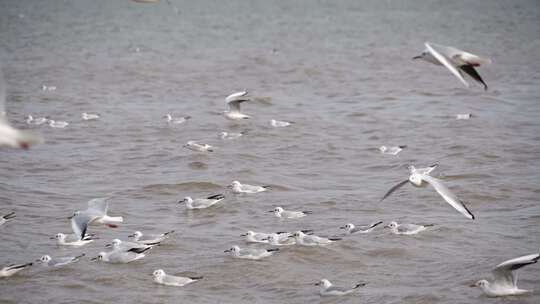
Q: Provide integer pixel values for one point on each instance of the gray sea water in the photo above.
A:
(341, 70)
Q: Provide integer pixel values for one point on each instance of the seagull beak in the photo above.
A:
(229, 186)
(182, 201)
(317, 284)
(94, 259)
(228, 250)
(387, 226)
(243, 234)
(131, 235)
(108, 245)
(472, 285)
(70, 217)
(271, 211)
(417, 57)
(51, 238)
(265, 239)
(342, 227)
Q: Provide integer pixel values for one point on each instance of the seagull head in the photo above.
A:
(324, 282)
(74, 214)
(59, 237)
(249, 233)
(187, 200)
(136, 235)
(422, 55)
(158, 273)
(347, 227)
(100, 256)
(44, 259)
(392, 225)
(233, 249)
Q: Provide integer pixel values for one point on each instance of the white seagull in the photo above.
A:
(255, 237)
(79, 237)
(464, 116)
(194, 146)
(281, 213)
(233, 101)
(6, 218)
(161, 277)
(176, 120)
(327, 289)
(352, 229)
(150, 239)
(312, 240)
(420, 175)
(58, 124)
(46, 260)
(9, 136)
(250, 253)
(406, 229)
(237, 187)
(231, 135)
(275, 239)
(119, 257)
(119, 245)
(90, 116)
(202, 203)
(13, 269)
(280, 123)
(36, 121)
(391, 150)
(505, 283)
(96, 214)
(455, 60)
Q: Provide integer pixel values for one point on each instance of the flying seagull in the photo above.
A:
(233, 101)
(456, 60)
(420, 175)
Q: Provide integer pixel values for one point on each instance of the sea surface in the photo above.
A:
(342, 71)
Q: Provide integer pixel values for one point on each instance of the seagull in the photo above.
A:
(281, 213)
(457, 61)
(420, 175)
(36, 121)
(312, 240)
(231, 135)
(406, 229)
(90, 116)
(13, 269)
(79, 237)
(6, 218)
(245, 188)
(280, 123)
(464, 116)
(150, 239)
(391, 150)
(275, 239)
(47, 261)
(327, 289)
(58, 124)
(176, 120)
(202, 203)
(352, 229)
(505, 283)
(250, 253)
(194, 146)
(256, 237)
(118, 245)
(95, 214)
(9, 136)
(234, 100)
(119, 257)
(161, 277)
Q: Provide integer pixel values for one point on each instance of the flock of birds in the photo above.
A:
(459, 63)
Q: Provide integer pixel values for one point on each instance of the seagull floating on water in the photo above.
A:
(58, 124)
(5, 218)
(352, 229)
(48, 261)
(420, 175)
(150, 239)
(202, 203)
(464, 116)
(237, 187)
(194, 146)
(275, 239)
(233, 101)
(231, 135)
(119, 245)
(391, 150)
(457, 61)
(312, 240)
(407, 229)
(161, 277)
(505, 280)
(119, 256)
(36, 121)
(281, 213)
(90, 116)
(13, 269)
(79, 237)
(328, 289)
(250, 253)
(176, 120)
(280, 123)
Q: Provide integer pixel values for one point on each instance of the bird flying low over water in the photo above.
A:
(455, 60)
(233, 101)
(420, 175)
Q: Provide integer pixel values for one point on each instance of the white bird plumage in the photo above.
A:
(250, 253)
(233, 101)
(281, 213)
(202, 203)
(237, 187)
(328, 289)
(161, 277)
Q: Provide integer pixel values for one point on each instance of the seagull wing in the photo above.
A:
(469, 69)
(442, 59)
(448, 196)
(236, 96)
(79, 224)
(99, 204)
(401, 184)
(503, 273)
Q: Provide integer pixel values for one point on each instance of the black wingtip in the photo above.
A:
(335, 239)
(196, 278)
(359, 285)
(9, 215)
(272, 249)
